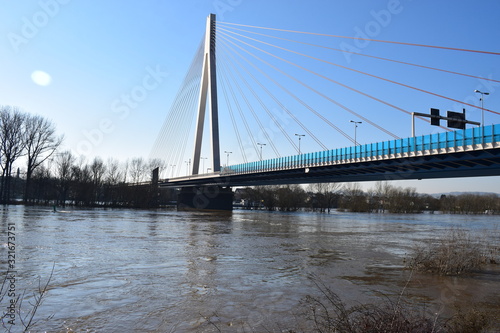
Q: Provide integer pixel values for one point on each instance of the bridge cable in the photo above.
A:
(311, 134)
(319, 115)
(238, 106)
(175, 123)
(367, 55)
(366, 39)
(336, 82)
(230, 109)
(179, 123)
(368, 74)
(176, 127)
(343, 85)
(178, 105)
(266, 109)
(250, 107)
(176, 136)
(188, 109)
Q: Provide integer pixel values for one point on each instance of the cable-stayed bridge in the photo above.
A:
(275, 96)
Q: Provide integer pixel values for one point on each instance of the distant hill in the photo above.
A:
(438, 195)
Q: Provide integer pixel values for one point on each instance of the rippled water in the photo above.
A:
(168, 271)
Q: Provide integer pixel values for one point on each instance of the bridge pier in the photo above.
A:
(205, 198)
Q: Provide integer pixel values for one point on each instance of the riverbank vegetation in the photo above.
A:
(36, 171)
(457, 252)
(65, 180)
(327, 312)
(454, 253)
(383, 198)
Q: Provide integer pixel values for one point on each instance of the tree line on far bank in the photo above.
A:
(383, 198)
(65, 179)
(58, 178)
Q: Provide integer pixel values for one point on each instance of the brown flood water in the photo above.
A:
(245, 271)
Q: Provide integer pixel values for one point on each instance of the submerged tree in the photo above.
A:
(324, 195)
(40, 143)
(12, 145)
(97, 169)
(64, 163)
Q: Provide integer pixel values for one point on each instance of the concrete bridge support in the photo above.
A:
(205, 198)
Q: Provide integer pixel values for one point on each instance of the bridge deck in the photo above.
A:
(446, 142)
(462, 153)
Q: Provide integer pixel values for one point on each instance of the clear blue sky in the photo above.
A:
(91, 53)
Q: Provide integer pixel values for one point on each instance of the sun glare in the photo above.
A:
(41, 78)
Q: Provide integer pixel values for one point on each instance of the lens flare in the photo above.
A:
(41, 78)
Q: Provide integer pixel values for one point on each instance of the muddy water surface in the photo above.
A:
(167, 271)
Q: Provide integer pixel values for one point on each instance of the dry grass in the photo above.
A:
(456, 253)
(327, 313)
(470, 321)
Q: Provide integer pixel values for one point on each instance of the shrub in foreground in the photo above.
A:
(327, 313)
(457, 252)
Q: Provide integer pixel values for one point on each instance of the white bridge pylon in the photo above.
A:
(208, 88)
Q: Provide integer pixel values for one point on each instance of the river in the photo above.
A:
(118, 270)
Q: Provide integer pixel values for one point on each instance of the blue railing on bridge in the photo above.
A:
(454, 139)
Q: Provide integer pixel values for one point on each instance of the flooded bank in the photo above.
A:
(168, 271)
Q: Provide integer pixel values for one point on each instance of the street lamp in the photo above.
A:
(355, 127)
(300, 136)
(173, 166)
(261, 144)
(203, 161)
(482, 104)
(228, 152)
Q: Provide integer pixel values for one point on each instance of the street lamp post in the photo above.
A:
(355, 127)
(300, 136)
(203, 159)
(227, 153)
(173, 166)
(261, 144)
(482, 104)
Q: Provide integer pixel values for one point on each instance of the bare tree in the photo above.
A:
(97, 169)
(126, 166)
(290, 197)
(41, 142)
(113, 174)
(325, 194)
(154, 163)
(11, 144)
(82, 184)
(354, 198)
(64, 164)
(43, 184)
(137, 170)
